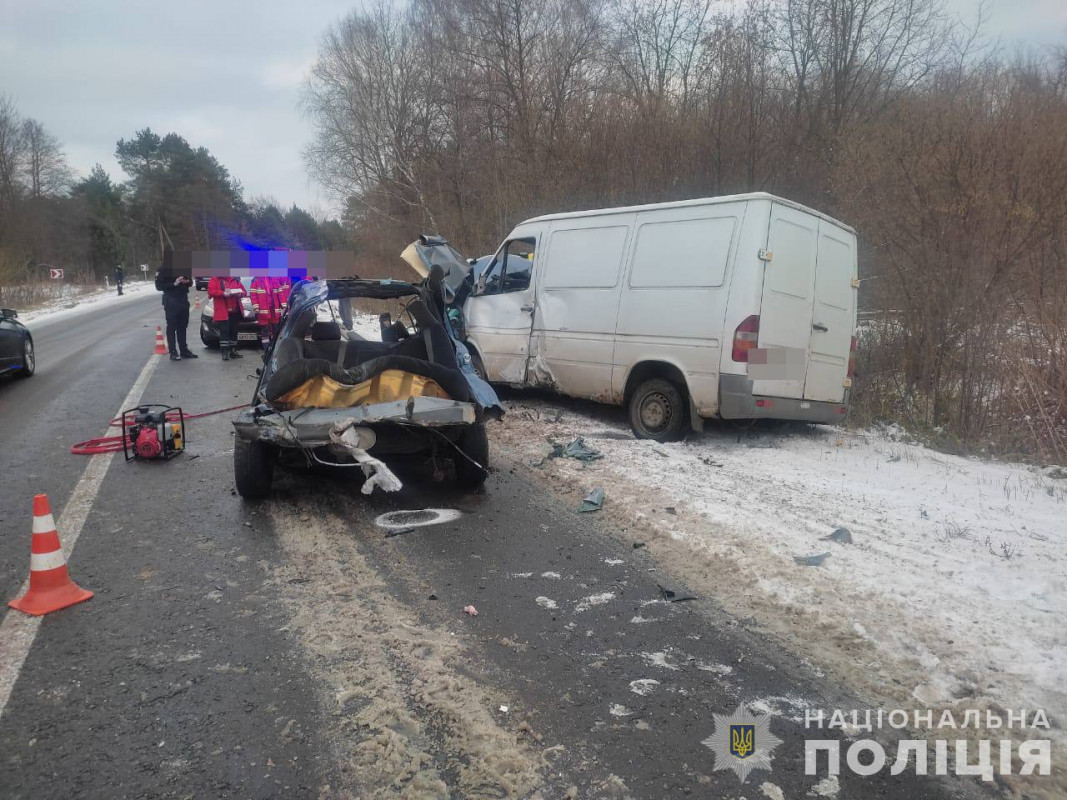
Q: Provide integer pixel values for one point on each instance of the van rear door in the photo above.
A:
(788, 296)
(834, 315)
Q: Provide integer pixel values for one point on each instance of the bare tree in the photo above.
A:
(12, 155)
(45, 163)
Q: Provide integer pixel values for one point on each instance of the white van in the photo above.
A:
(734, 307)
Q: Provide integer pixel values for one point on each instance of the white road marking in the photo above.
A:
(18, 631)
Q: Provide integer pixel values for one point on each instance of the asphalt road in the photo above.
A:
(293, 649)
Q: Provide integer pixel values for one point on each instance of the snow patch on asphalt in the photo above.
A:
(594, 600)
(827, 787)
(546, 602)
(659, 660)
(643, 686)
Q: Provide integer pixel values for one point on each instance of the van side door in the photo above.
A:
(500, 314)
(573, 344)
(788, 298)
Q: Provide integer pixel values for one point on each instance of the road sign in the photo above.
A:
(55, 274)
(144, 268)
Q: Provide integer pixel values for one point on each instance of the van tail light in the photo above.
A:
(852, 357)
(745, 337)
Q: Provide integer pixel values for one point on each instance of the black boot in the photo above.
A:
(234, 353)
(189, 354)
(174, 356)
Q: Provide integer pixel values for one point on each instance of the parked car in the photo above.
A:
(329, 396)
(16, 346)
(247, 331)
(201, 283)
(736, 307)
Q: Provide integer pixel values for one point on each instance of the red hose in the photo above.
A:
(92, 447)
(113, 444)
(172, 416)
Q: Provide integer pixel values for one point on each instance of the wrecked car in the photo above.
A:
(329, 396)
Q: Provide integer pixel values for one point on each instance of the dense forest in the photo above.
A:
(90, 224)
(948, 155)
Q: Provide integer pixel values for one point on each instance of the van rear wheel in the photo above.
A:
(658, 411)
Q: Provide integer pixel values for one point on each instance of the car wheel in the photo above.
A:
(657, 411)
(474, 447)
(29, 360)
(478, 364)
(253, 468)
(210, 342)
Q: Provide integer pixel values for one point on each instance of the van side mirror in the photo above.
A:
(8, 312)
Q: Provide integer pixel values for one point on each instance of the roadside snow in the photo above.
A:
(64, 305)
(954, 589)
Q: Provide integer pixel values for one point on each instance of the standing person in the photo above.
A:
(279, 288)
(282, 287)
(262, 291)
(227, 293)
(119, 276)
(175, 290)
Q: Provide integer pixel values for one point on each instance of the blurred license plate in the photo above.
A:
(247, 337)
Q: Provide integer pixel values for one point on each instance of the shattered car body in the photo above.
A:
(329, 396)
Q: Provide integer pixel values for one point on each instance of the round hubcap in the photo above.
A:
(30, 362)
(656, 412)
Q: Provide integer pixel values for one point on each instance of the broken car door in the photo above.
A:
(500, 314)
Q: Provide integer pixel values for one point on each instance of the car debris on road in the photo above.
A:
(811, 561)
(594, 501)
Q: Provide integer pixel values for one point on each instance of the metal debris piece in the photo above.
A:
(345, 435)
(594, 501)
(576, 449)
(811, 561)
(638, 544)
(674, 595)
(842, 535)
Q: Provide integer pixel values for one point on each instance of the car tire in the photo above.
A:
(209, 342)
(29, 360)
(474, 446)
(478, 364)
(253, 468)
(658, 411)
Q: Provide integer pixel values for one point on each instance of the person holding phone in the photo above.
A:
(175, 288)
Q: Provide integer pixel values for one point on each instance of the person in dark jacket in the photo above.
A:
(119, 277)
(175, 288)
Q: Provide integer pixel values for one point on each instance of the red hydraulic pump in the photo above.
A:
(153, 432)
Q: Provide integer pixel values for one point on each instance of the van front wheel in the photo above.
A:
(657, 411)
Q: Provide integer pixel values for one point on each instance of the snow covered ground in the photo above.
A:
(69, 304)
(951, 594)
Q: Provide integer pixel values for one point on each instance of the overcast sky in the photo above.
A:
(227, 75)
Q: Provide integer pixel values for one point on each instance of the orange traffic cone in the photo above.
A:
(50, 585)
(197, 302)
(161, 346)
